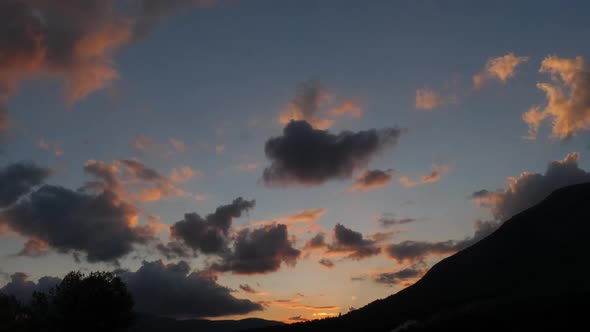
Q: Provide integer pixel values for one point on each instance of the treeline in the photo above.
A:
(98, 301)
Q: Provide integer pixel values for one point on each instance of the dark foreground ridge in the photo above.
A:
(532, 274)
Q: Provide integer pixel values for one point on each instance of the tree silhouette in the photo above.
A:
(97, 302)
(13, 315)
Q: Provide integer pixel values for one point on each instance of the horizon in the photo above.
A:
(288, 160)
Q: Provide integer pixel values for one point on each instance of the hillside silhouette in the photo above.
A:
(531, 274)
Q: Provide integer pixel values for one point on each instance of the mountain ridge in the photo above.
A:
(530, 255)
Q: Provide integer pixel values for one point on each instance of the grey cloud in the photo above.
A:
(210, 234)
(261, 250)
(418, 251)
(395, 278)
(99, 225)
(307, 156)
(18, 179)
(173, 290)
(347, 240)
(22, 288)
(529, 189)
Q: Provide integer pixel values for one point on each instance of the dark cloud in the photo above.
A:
(316, 242)
(19, 179)
(261, 250)
(307, 156)
(401, 276)
(389, 220)
(348, 241)
(372, 179)
(22, 288)
(358, 278)
(173, 290)
(326, 262)
(529, 189)
(246, 288)
(99, 225)
(209, 235)
(418, 251)
(175, 249)
(297, 319)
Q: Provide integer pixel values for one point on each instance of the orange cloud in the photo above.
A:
(178, 145)
(372, 179)
(184, 174)
(501, 68)
(438, 170)
(568, 98)
(347, 107)
(50, 147)
(312, 104)
(130, 179)
(427, 99)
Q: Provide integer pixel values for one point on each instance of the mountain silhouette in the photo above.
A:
(531, 274)
(151, 323)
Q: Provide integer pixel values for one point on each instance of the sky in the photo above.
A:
(288, 160)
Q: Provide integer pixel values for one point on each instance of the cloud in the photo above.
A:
(246, 288)
(418, 251)
(173, 290)
(438, 170)
(529, 189)
(306, 216)
(347, 107)
(307, 156)
(427, 99)
(316, 242)
(210, 235)
(326, 262)
(568, 98)
(175, 249)
(73, 42)
(69, 41)
(18, 179)
(388, 220)
(50, 147)
(101, 225)
(260, 250)
(401, 276)
(184, 174)
(142, 142)
(311, 104)
(501, 68)
(352, 244)
(22, 288)
(372, 179)
(123, 176)
(34, 248)
(297, 319)
(306, 105)
(178, 145)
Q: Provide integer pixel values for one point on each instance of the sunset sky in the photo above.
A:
(282, 159)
